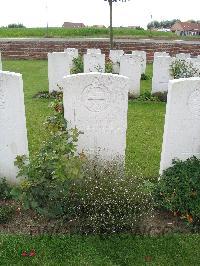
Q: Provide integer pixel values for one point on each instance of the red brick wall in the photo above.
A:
(38, 48)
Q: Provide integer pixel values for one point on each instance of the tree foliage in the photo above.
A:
(166, 24)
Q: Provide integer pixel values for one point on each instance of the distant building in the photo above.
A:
(186, 28)
(99, 26)
(72, 25)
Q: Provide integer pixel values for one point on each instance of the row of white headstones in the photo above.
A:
(129, 65)
(97, 104)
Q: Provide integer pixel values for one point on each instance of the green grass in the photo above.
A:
(144, 138)
(116, 250)
(82, 32)
(145, 119)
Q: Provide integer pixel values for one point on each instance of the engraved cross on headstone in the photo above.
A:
(97, 99)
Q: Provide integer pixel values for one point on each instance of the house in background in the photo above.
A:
(186, 28)
(99, 26)
(71, 25)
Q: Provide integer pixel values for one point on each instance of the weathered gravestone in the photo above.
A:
(182, 56)
(58, 67)
(97, 104)
(181, 137)
(143, 59)
(94, 63)
(115, 56)
(130, 67)
(13, 133)
(93, 51)
(161, 73)
(73, 53)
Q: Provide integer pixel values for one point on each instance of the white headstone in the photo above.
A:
(94, 63)
(182, 56)
(94, 51)
(181, 137)
(58, 67)
(143, 59)
(13, 133)
(73, 53)
(115, 56)
(160, 54)
(97, 105)
(0, 62)
(130, 66)
(161, 73)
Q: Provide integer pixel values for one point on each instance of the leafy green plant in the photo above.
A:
(78, 65)
(47, 174)
(183, 69)
(161, 96)
(5, 189)
(108, 67)
(47, 95)
(94, 198)
(178, 189)
(147, 96)
(145, 77)
(6, 213)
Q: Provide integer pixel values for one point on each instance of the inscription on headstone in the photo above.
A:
(97, 105)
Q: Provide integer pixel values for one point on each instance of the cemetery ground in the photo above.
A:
(144, 140)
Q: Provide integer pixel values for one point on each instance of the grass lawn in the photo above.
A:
(81, 32)
(145, 119)
(92, 250)
(144, 139)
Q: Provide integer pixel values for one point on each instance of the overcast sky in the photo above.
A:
(33, 13)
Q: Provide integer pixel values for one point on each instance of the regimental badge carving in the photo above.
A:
(96, 98)
(194, 102)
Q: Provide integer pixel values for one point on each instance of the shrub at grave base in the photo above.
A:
(178, 190)
(59, 184)
(147, 96)
(110, 202)
(108, 67)
(161, 96)
(48, 173)
(145, 76)
(5, 189)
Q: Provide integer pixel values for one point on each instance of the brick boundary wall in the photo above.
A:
(38, 48)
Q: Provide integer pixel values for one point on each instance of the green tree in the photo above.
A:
(111, 27)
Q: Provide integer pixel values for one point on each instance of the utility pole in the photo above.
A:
(47, 26)
(111, 26)
(111, 19)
